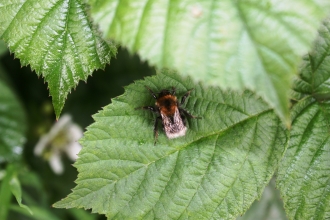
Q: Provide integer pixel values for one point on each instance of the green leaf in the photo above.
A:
(12, 124)
(15, 188)
(57, 39)
(5, 194)
(304, 173)
(215, 171)
(10, 185)
(237, 44)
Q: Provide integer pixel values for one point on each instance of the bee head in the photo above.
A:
(164, 92)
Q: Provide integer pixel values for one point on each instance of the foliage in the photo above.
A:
(216, 165)
(234, 44)
(57, 39)
(239, 56)
(304, 178)
(10, 185)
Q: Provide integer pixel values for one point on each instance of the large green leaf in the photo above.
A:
(231, 43)
(304, 174)
(57, 39)
(216, 171)
(12, 124)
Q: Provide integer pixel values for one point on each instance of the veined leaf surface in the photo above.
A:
(57, 39)
(215, 171)
(304, 173)
(229, 43)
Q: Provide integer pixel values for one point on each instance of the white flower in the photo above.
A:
(62, 138)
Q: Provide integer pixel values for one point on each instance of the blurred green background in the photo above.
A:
(41, 187)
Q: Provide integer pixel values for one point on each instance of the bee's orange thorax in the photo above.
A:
(167, 104)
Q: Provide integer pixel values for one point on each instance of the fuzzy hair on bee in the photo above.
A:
(168, 110)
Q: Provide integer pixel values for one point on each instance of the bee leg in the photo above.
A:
(183, 99)
(151, 92)
(173, 90)
(190, 115)
(150, 108)
(183, 117)
(156, 129)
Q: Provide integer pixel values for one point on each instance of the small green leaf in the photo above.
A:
(304, 173)
(215, 171)
(57, 39)
(237, 44)
(10, 184)
(15, 188)
(5, 194)
(12, 124)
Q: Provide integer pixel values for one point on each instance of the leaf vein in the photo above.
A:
(202, 179)
(304, 189)
(239, 170)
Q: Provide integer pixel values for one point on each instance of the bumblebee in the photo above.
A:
(168, 110)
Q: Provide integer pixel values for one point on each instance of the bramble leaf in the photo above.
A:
(304, 173)
(215, 171)
(237, 44)
(57, 39)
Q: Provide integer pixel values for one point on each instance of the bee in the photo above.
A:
(168, 109)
